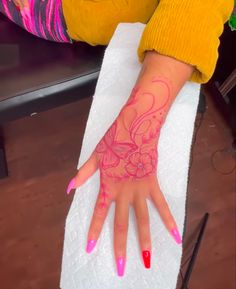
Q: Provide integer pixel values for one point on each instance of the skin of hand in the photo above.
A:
(127, 158)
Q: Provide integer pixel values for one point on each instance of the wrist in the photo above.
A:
(167, 65)
(157, 65)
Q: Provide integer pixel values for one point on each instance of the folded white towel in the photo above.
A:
(119, 71)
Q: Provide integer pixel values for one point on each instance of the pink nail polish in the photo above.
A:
(120, 263)
(90, 246)
(71, 186)
(176, 235)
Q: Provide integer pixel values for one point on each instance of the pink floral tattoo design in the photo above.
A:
(141, 165)
(103, 196)
(128, 150)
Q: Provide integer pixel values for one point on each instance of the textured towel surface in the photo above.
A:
(97, 270)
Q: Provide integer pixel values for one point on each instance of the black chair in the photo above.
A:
(36, 75)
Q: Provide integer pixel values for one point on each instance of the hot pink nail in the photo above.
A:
(71, 186)
(175, 233)
(120, 263)
(90, 245)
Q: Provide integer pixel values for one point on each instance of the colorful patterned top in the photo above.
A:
(187, 30)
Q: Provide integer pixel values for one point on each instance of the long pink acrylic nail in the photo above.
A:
(71, 186)
(175, 233)
(120, 264)
(90, 245)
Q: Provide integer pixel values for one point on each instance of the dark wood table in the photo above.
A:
(36, 75)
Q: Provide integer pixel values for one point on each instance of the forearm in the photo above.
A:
(159, 82)
(156, 66)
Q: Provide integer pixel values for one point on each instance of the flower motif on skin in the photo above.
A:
(112, 151)
(103, 197)
(140, 165)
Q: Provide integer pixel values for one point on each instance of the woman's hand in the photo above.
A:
(127, 159)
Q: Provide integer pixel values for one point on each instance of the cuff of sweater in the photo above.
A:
(187, 31)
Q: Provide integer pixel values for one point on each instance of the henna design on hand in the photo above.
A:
(128, 150)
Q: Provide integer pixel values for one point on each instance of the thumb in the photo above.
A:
(84, 173)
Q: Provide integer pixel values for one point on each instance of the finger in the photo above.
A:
(142, 217)
(165, 213)
(99, 215)
(120, 234)
(85, 172)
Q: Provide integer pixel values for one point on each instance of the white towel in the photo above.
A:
(97, 270)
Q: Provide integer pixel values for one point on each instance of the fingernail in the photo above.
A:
(176, 235)
(120, 263)
(147, 259)
(71, 186)
(90, 245)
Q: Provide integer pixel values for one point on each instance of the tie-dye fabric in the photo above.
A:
(43, 18)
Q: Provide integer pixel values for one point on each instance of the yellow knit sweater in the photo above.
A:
(187, 30)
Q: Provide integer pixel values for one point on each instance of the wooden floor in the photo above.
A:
(42, 153)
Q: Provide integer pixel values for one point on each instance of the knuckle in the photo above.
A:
(120, 228)
(143, 221)
(145, 241)
(100, 211)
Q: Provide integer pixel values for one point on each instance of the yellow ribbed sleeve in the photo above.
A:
(189, 31)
